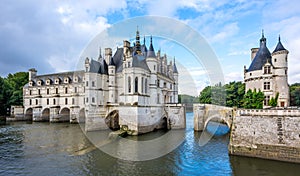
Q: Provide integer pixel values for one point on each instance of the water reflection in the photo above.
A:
(63, 149)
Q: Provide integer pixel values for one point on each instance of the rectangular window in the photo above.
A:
(56, 90)
(30, 102)
(87, 83)
(36, 101)
(39, 91)
(266, 100)
(87, 99)
(75, 89)
(54, 101)
(266, 85)
(93, 84)
(267, 70)
(93, 100)
(30, 92)
(73, 101)
(66, 101)
(47, 91)
(47, 101)
(66, 90)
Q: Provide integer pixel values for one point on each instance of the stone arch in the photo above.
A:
(46, 114)
(112, 120)
(165, 123)
(81, 116)
(219, 117)
(29, 114)
(64, 115)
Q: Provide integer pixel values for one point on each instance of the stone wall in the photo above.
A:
(269, 134)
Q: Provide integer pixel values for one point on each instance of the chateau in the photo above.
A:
(268, 72)
(135, 89)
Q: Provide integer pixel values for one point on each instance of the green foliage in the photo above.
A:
(11, 90)
(273, 101)
(253, 99)
(230, 94)
(235, 92)
(205, 95)
(295, 94)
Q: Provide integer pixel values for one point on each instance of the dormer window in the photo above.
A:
(39, 83)
(75, 79)
(267, 69)
(48, 82)
(66, 80)
(31, 83)
(57, 81)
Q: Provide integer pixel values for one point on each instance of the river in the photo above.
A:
(63, 149)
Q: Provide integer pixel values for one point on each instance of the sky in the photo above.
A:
(50, 35)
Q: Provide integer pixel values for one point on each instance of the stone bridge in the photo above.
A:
(203, 113)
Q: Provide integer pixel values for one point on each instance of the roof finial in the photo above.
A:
(279, 38)
(151, 39)
(262, 34)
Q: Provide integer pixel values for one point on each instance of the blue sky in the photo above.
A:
(50, 35)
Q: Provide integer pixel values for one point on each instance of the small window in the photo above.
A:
(267, 70)
(39, 91)
(30, 101)
(87, 99)
(66, 101)
(93, 100)
(54, 102)
(75, 89)
(266, 100)
(66, 90)
(73, 101)
(48, 91)
(250, 74)
(285, 72)
(87, 83)
(47, 101)
(266, 85)
(154, 67)
(93, 83)
(36, 101)
(275, 60)
(30, 92)
(56, 90)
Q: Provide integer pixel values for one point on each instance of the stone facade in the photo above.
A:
(269, 134)
(135, 87)
(268, 72)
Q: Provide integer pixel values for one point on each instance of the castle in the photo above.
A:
(268, 72)
(135, 89)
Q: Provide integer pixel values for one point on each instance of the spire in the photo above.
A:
(151, 52)
(174, 67)
(263, 40)
(100, 55)
(137, 40)
(279, 46)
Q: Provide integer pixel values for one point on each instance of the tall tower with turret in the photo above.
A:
(268, 72)
(280, 66)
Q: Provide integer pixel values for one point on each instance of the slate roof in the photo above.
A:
(140, 61)
(279, 46)
(262, 56)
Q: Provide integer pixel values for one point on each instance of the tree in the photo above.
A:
(273, 101)
(253, 99)
(235, 92)
(11, 90)
(295, 94)
(205, 95)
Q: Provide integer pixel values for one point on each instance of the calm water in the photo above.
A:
(62, 149)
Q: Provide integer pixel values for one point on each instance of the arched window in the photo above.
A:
(136, 85)
(129, 84)
(145, 85)
(142, 87)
